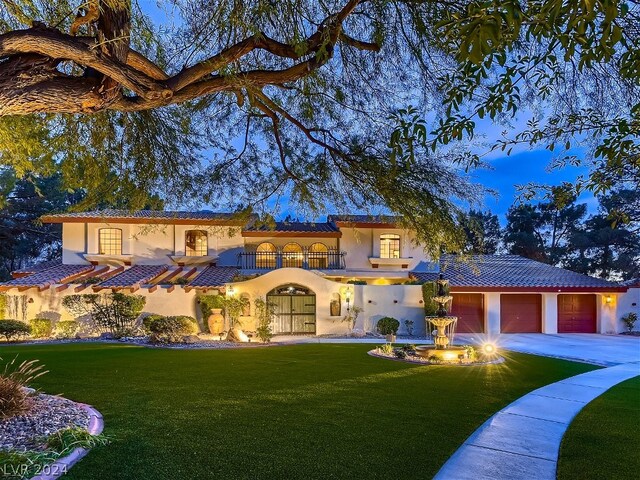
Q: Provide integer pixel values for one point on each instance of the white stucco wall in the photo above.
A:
(363, 243)
(150, 244)
(626, 303)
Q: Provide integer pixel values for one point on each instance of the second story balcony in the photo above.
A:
(309, 260)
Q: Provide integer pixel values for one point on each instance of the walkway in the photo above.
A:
(522, 441)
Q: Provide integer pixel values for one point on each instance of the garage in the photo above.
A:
(469, 308)
(577, 313)
(520, 313)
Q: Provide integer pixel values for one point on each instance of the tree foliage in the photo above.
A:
(239, 104)
(483, 232)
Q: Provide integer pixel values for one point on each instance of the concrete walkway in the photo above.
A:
(522, 441)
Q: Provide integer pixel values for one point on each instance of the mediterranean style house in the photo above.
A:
(313, 272)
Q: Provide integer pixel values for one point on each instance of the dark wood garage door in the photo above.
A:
(520, 313)
(576, 313)
(469, 308)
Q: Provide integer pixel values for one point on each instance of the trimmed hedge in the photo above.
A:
(388, 326)
(12, 329)
(148, 320)
(41, 327)
(173, 329)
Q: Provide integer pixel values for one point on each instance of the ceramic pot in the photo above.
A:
(216, 321)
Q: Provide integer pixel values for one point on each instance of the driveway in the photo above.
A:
(606, 350)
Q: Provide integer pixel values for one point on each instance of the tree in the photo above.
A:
(234, 103)
(609, 247)
(545, 231)
(483, 232)
(522, 234)
(23, 238)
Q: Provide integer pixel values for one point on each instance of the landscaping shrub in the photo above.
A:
(173, 329)
(14, 377)
(3, 305)
(148, 320)
(388, 326)
(357, 282)
(629, 320)
(112, 312)
(265, 311)
(67, 329)
(40, 327)
(13, 329)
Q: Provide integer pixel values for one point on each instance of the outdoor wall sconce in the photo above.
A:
(30, 300)
(421, 302)
(608, 299)
(230, 291)
(347, 297)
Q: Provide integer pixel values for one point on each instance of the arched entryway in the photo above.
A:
(295, 309)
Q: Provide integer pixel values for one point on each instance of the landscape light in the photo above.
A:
(489, 349)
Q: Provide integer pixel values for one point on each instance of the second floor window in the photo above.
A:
(196, 243)
(110, 241)
(389, 245)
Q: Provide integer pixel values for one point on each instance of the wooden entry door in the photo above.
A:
(295, 314)
(520, 313)
(469, 308)
(577, 313)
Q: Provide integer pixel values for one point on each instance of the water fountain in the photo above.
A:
(445, 325)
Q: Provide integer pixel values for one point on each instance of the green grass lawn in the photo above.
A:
(603, 441)
(301, 411)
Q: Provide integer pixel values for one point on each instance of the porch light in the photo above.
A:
(347, 296)
(230, 291)
(608, 299)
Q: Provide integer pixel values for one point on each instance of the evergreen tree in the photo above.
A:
(482, 230)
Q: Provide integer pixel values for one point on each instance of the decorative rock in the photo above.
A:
(190, 339)
(237, 335)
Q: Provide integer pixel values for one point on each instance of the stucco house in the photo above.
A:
(313, 272)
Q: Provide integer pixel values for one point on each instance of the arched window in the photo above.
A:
(195, 243)
(266, 255)
(292, 255)
(110, 241)
(389, 245)
(318, 255)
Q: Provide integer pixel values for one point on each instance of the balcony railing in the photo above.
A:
(331, 260)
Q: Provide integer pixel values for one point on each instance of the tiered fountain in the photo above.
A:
(445, 326)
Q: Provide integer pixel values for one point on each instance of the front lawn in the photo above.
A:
(301, 411)
(603, 441)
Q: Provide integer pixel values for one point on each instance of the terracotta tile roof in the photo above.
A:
(49, 276)
(134, 276)
(370, 220)
(495, 272)
(214, 277)
(308, 228)
(37, 267)
(144, 216)
(634, 282)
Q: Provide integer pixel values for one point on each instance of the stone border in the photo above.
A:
(497, 361)
(62, 465)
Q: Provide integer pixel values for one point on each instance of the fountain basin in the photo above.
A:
(451, 354)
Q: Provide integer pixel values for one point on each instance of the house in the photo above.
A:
(314, 272)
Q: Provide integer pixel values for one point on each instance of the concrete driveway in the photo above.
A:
(606, 350)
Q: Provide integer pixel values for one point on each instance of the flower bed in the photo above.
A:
(407, 353)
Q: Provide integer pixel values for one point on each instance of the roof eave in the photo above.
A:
(142, 220)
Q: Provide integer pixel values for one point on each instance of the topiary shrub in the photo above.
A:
(173, 329)
(40, 327)
(388, 326)
(13, 329)
(66, 329)
(148, 320)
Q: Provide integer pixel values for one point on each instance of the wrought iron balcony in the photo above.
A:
(331, 260)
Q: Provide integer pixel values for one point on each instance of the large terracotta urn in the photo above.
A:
(216, 321)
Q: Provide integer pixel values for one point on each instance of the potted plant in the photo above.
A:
(212, 306)
(388, 326)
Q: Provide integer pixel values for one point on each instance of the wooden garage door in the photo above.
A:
(520, 313)
(469, 308)
(576, 313)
